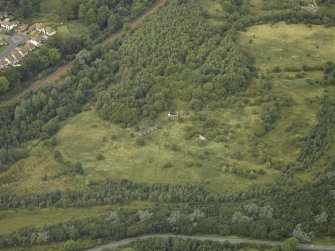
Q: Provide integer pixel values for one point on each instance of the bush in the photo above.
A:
(140, 141)
(78, 168)
(100, 157)
(167, 165)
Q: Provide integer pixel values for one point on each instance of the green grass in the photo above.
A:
(82, 244)
(192, 163)
(13, 220)
(289, 45)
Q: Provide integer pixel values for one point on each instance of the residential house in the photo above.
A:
(3, 63)
(147, 130)
(37, 41)
(38, 27)
(49, 31)
(202, 138)
(8, 25)
(17, 55)
(22, 28)
(30, 46)
(24, 51)
(11, 60)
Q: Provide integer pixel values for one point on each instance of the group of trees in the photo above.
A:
(23, 8)
(107, 16)
(292, 12)
(161, 61)
(176, 244)
(321, 137)
(279, 216)
(125, 192)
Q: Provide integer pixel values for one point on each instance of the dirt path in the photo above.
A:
(64, 69)
(233, 240)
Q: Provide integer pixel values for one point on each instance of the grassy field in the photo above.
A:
(166, 157)
(13, 220)
(289, 45)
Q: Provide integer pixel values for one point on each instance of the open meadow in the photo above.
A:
(289, 45)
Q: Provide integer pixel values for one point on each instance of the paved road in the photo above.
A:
(117, 244)
(63, 70)
(13, 42)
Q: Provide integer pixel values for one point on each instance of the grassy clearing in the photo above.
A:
(155, 162)
(82, 244)
(212, 7)
(13, 220)
(73, 27)
(289, 45)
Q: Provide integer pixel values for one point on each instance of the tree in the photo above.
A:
(113, 23)
(26, 8)
(93, 30)
(126, 27)
(103, 16)
(71, 246)
(290, 244)
(4, 84)
(78, 168)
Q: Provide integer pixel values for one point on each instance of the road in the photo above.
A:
(233, 240)
(63, 70)
(13, 42)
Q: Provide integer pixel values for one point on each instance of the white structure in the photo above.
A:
(8, 25)
(3, 63)
(37, 41)
(49, 31)
(36, 27)
(173, 114)
(202, 138)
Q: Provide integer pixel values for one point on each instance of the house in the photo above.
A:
(8, 25)
(17, 55)
(24, 51)
(37, 41)
(39, 27)
(22, 28)
(147, 130)
(202, 138)
(173, 114)
(11, 60)
(49, 31)
(30, 46)
(3, 63)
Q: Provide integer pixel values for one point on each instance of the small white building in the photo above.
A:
(202, 138)
(173, 114)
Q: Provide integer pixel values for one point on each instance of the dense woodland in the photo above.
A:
(188, 62)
